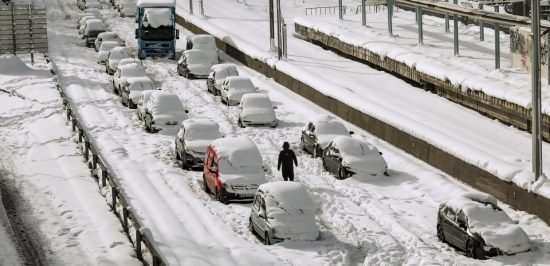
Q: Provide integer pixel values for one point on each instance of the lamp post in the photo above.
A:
(536, 93)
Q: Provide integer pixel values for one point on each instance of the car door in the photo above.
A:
(449, 226)
(330, 159)
(225, 88)
(179, 141)
(308, 137)
(461, 230)
(257, 222)
(210, 179)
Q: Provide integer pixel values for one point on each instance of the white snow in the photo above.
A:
(157, 17)
(257, 108)
(167, 111)
(201, 129)
(238, 154)
(156, 3)
(359, 156)
(205, 43)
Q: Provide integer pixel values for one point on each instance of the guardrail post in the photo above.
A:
(113, 195)
(103, 177)
(80, 134)
(363, 13)
(201, 7)
(481, 31)
(94, 161)
(419, 21)
(86, 150)
(285, 48)
(340, 13)
(138, 245)
(156, 261)
(125, 219)
(548, 57)
(447, 20)
(497, 46)
(455, 30)
(496, 9)
(390, 14)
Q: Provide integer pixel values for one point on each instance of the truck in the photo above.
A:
(156, 28)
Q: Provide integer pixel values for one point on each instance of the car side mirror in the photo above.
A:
(274, 107)
(351, 132)
(516, 221)
(213, 169)
(177, 34)
(380, 152)
(186, 111)
(137, 34)
(340, 159)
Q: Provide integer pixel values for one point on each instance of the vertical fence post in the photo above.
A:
(138, 245)
(390, 14)
(80, 135)
(125, 219)
(455, 30)
(156, 261)
(497, 46)
(447, 20)
(279, 41)
(363, 13)
(481, 31)
(285, 48)
(94, 161)
(201, 7)
(340, 13)
(86, 150)
(103, 178)
(113, 198)
(191, 7)
(419, 18)
(272, 26)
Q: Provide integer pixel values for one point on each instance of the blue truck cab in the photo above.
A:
(156, 28)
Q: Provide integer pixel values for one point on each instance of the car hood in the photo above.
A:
(372, 164)
(198, 146)
(324, 140)
(134, 95)
(199, 69)
(258, 114)
(243, 179)
(293, 225)
(509, 238)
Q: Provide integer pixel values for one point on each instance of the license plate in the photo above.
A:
(246, 195)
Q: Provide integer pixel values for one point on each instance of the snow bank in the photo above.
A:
(11, 65)
(157, 17)
(156, 3)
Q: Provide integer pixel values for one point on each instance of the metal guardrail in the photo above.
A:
(139, 235)
(324, 10)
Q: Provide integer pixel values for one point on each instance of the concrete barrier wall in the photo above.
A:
(505, 191)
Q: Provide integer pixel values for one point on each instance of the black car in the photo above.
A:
(475, 224)
(192, 140)
(318, 133)
(194, 64)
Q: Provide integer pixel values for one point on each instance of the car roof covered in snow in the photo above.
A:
(195, 55)
(353, 147)
(202, 39)
(287, 195)
(256, 100)
(239, 151)
(161, 102)
(327, 124)
(131, 60)
(94, 24)
(239, 81)
(108, 35)
(156, 3)
(157, 17)
(225, 66)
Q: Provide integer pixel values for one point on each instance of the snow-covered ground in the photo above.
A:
(374, 221)
(66, 217)
(501, 150)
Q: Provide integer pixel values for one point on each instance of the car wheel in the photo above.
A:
(325, 166)
(240, 123)
(302, 144)
(205, 185)
(250, 226)
(221, 197)
(131, 104)
(473, 250)
(440, 234)
(177, 155)
(179, 71)
(267, 239)
(342, 173)
(184, 161)
(122, 101)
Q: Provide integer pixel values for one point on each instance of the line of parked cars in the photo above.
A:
(233, 168)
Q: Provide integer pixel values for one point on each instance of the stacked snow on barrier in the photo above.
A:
(11, 65)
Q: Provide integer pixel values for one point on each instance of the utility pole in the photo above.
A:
(536, 93)
(279, 29)
(271, 27)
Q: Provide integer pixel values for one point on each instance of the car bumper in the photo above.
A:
(192, 161)
(259, 124)
(233, 195)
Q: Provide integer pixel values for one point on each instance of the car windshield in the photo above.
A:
(107, 46)
(241, 84)
(119, 54)
(257, 102)
(486, 215)
(202, 133)
(353, 148)
(226, 72)
(331, 128)
(133, 72)
(226, 167)
(196, 58)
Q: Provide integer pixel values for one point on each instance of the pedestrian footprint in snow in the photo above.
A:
(287, 159)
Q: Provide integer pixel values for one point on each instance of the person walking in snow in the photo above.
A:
(287, 160)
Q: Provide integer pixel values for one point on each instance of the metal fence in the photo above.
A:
(23, 29)
(324, 10)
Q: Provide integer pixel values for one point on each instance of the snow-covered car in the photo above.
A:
(94, 11)
(124, 72)
(345, 156)
(104, 50)
(205, 43)
(194, 64)
(115, 55)
(217, 75)
(131, 60)
(283, 210)
(256, 109)
(132, 88)
(127, 8)
(318, 133)
(107, 36)
(474, 223)
(142, 103)
(192, 140)
(82, 21)
(81, 4)
(233, 89)
(233, 169)
(92, 28)
(164, 112)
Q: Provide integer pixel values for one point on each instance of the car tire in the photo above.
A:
(179, 71)
(315, 151)
(473, 250)
(220, 197)
(250, 226)
(325, 165)
(342, 174)
(303, 144)
(205, 185)
(184, 161)
(131, 104)
(267, 240)
(240, 123)
(440, 234)
(122, 101)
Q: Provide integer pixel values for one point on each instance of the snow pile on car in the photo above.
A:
(490, 222)
(290, 211)
(327, 128)
(157, 17)
(238, 155)
(201, 129)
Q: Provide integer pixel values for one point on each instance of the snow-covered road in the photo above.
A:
(377, 221)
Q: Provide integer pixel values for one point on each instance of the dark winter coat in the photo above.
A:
(287, 159)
